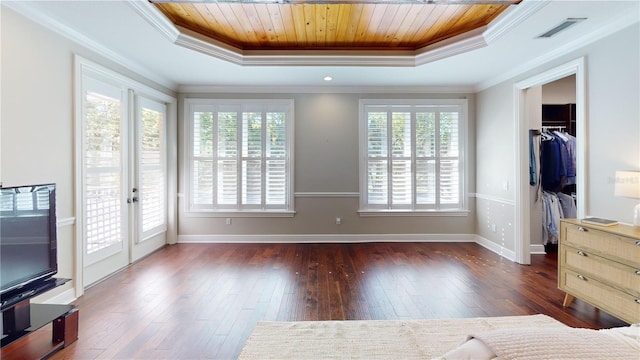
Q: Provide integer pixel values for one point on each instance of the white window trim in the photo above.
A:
(190, 210)
(364, 209)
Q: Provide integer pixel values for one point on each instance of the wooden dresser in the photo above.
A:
(601, 265)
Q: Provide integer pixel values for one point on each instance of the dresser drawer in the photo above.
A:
(613, 301)
(617, 275)
(612, 246)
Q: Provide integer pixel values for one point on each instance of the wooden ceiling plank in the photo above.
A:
(217, 23)
(344, 16)
(184, 19)
(333, 16)
(442, 24)
(384, 33)
(267, 25)
(297, 12)
(374, 23)
(321, 24)
(430, 28)
(399, 25)
(232, 19)
(484, 14)
(282, 18)
(421, 21)
(330, 25)
(250, 23)
(309, 25)
(351, 28)
(363, 24)
(474, 17)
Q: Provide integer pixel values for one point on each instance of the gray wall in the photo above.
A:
(326, 161)
(613, 131)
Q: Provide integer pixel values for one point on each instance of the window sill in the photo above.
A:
(365, 213)
(240, 214)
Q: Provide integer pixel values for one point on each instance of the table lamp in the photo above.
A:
(628, 185)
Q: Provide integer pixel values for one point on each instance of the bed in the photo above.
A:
(509, 337)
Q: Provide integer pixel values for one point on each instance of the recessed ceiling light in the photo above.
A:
(328, 78)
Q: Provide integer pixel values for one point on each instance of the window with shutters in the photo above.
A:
(411, 156)
(240, 156)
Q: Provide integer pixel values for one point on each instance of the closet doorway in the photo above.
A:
(528, 100)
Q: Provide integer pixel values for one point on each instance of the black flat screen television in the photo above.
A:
(28, 237)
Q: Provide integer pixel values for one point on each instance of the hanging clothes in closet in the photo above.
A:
(557, 170)
(557, 160)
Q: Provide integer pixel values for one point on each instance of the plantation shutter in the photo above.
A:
(449, 158)
(412, 156)
(252, 142)
(275, 158)
(377, 150)
(246, 164)
(102, 110)
(401, 155)
(202, 178)
(226, 157)
(151, 167)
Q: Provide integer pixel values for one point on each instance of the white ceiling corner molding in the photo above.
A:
(30, 10)
(194, 41)
(314, 89)
(155, 18)
(457, 45)
(512, 17)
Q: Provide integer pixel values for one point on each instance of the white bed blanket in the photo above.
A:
(551, 343)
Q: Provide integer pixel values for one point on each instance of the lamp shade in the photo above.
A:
(628, 184)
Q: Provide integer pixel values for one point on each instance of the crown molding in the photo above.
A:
(453, 46)
(512, 17)
(602, 32)
(267, 89)
(155, 18)
(29, 10)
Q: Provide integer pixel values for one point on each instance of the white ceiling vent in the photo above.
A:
(564, 25)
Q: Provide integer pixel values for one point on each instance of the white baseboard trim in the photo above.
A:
(348, 238)
(325, 238)
(500, 250)
(537, 249)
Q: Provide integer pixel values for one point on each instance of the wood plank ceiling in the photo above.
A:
(331, 25)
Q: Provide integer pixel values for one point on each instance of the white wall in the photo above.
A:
(36, 119)
(613, 127)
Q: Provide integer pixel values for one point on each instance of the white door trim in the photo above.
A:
(522, 214)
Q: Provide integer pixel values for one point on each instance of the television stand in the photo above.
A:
(21, 320)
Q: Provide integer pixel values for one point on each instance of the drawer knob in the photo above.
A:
(638, 301)
(637, 272)
(581, 277)
(580, 228)
(581, 253)
(638, 243)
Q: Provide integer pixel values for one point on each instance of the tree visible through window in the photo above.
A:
(240, 155)
(412, 155)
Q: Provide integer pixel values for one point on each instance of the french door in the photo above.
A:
(122, 211)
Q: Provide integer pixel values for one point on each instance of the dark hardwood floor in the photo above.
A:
(190, 301)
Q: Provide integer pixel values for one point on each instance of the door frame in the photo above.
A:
(84, 66)
(522, 213)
